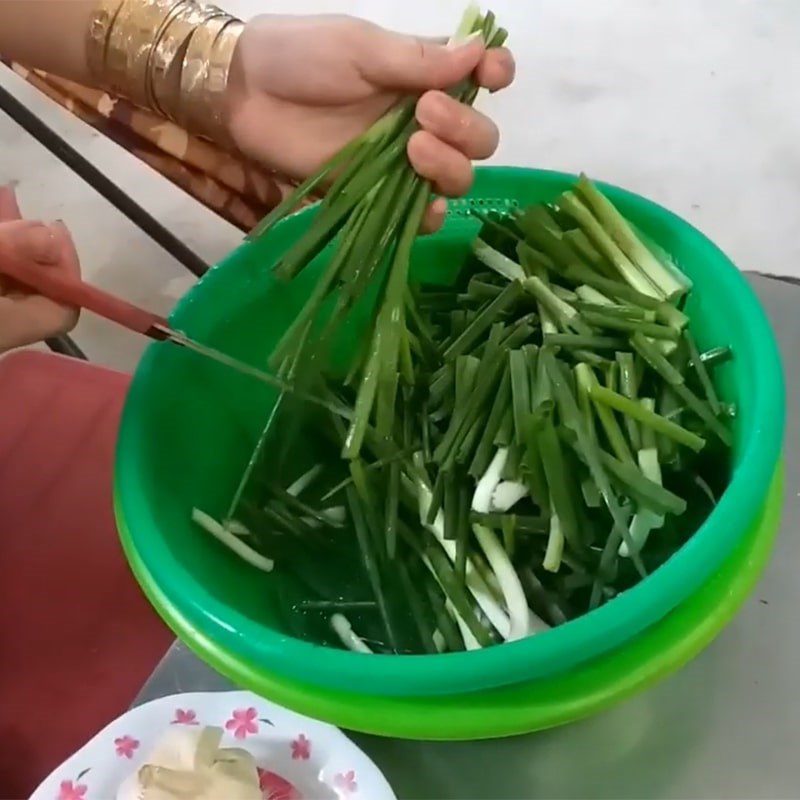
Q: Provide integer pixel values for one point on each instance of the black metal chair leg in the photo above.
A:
(26, 119)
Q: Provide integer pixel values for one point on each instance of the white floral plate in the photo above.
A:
(298, 758)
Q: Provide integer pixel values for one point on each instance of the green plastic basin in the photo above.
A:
(531, 705)
(189, 427)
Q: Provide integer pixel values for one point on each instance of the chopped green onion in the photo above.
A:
(659, 424)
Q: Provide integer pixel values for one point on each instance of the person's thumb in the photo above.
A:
(30, 241)
(406, 63)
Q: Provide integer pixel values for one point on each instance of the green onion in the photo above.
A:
(628, 382)
(650, 494)
(703, 411)
(651, 354)
(370, 562)
(522, 524)
(716, 356)
(419, 612)
(484, 320)
(638, 280)
(392, 508)
(601, 319)
(555, 470)
(495, 260)
(623, 235)
(606, 307)
(496, 436)
(520, 393)
(578, 341)
(652, 420)
(456, 594)
(702, 373)
(613, 432)
(561, 311)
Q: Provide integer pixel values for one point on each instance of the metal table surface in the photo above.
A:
(726, 726)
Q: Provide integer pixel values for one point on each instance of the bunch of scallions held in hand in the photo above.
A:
(374, 209)
(508, 449)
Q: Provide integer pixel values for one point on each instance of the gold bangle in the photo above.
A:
(164, 81)
(172, 56)
(165, 36)
(130, 45)
(194, 66)
(204, 82)
(100, 25)
(154, 16)
(219, 68)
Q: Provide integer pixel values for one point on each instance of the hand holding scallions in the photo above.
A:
(301, 88)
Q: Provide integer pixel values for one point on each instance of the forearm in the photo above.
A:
(171, 56)
(47, 34)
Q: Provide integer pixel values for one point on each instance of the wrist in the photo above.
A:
(172, 56)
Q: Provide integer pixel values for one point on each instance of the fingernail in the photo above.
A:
(439, 206)
(59, 228)
(432, 110)
(42, 244)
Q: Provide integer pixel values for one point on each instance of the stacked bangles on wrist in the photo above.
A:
(171, 56)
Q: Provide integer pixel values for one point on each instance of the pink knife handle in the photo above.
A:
(74, 292)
